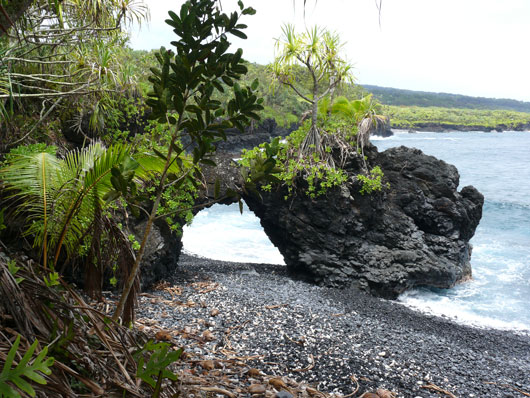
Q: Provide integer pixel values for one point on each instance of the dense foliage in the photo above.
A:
(474, 119)
(345, 127)
(400, 97)
(60, 63)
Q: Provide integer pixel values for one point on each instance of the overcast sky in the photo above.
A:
(472, 47)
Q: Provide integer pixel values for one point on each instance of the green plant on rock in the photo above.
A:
(26, 370)
(347, 128)
(372, 182)
(280, 163)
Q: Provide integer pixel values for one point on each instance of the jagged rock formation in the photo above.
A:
(415, 233)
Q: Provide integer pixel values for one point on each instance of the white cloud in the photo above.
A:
(473, 47)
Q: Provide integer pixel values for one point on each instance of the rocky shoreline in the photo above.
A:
(331, 338)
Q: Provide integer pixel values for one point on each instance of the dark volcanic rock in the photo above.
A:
(253, 136)
(161, 253)
(414, 233)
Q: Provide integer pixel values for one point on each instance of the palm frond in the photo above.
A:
(33, 180)
(93, 167)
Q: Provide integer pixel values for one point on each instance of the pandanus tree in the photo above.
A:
(319, 51)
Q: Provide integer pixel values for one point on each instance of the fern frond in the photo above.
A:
(24, 370)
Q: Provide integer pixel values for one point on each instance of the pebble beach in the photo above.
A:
(336, 341)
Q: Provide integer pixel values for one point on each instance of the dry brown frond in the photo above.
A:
(92, 354)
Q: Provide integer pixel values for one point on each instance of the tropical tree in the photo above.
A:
(64, 49)
(318, 50)
(184, 85)
(63, 203)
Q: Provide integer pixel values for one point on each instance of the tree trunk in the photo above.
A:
(128, 285)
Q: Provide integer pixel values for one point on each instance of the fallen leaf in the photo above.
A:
(163, 335)
(278, 384)
(255, 389)
(214, 312)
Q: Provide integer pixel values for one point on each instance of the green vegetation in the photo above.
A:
(96, 91)
(62, 200)
(372, 182)
(155, 369)
(183, 98)
(412, 117)
(282, 163)
(399, 97)
(345, 127)
(24, 370)
(311, 159)
(318, 51)
(62, 65)
(286, 107)
(79, 157)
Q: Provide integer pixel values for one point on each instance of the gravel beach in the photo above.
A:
(325, 336)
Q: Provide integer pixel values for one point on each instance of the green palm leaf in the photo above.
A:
(60, 197)
(91, 168)
(32, 179)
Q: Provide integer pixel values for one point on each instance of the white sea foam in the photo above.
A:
(379, 138)
(458, 311)
(222, 233)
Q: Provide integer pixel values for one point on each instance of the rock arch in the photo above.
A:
(416, 233)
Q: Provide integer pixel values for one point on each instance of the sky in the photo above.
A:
(470, 47)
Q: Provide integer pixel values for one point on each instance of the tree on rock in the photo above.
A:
(318, 50)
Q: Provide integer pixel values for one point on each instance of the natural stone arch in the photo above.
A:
(415, 233)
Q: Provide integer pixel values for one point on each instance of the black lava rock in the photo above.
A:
(414, 233)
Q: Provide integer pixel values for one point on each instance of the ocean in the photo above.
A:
(497, 164)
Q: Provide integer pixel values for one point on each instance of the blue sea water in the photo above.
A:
(497, 164)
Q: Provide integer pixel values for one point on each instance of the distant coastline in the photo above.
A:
(447, 128)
